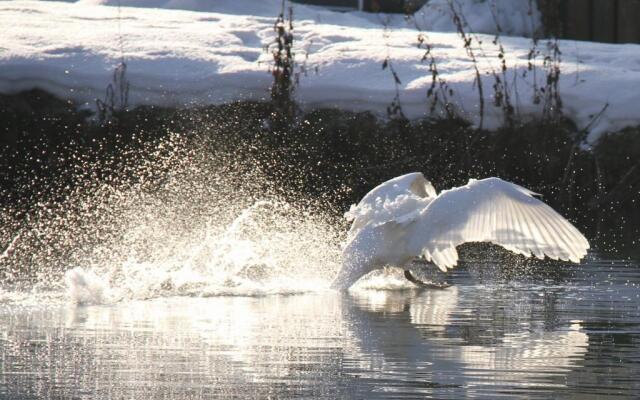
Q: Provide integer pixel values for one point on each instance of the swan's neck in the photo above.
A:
(348, 275)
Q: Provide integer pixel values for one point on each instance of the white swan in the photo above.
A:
(404, 218)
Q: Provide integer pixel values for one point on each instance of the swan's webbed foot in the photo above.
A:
(418, 282)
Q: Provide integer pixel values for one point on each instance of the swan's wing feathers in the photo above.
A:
(396, 199)
(492, 210)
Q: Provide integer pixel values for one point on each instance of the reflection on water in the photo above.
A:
(532, 337)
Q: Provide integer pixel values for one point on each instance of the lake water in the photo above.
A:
(573, 333)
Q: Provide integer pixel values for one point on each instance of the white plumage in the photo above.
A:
(404, 218)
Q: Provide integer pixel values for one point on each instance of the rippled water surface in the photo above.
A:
(570, 334)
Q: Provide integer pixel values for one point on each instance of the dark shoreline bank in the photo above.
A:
(49, 148)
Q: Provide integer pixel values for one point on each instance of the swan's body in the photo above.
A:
(404, 218)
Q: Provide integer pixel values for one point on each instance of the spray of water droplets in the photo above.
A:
(170, 217)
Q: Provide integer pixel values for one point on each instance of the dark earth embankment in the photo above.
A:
(49, 149)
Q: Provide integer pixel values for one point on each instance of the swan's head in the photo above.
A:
(420, 186)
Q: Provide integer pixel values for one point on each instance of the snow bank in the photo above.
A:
(183, 58)
(513, 17)
(262, 8)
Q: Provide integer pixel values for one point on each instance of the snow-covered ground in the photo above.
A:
(216, 54)
(513, 17)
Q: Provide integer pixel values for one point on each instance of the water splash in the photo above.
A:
(268, 248)
(180, 221)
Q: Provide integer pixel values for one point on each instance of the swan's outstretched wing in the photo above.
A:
(492, 210)
(390, 201)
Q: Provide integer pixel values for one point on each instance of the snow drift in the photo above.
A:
(217, 55)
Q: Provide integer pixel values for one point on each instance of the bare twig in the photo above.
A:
(395, 108)
(459, 21)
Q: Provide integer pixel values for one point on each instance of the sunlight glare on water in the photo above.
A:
(191, 279)
(476, 339)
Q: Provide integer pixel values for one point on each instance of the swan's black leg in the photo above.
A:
(415, 281)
